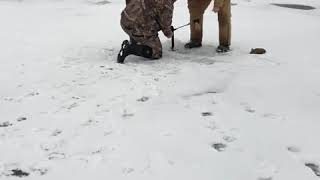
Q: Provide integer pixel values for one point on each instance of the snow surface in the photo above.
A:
(68, 111)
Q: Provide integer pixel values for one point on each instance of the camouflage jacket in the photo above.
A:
(149, 16)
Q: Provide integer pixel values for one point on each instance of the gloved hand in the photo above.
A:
(217, 5)
(172, 29)
(215, 9)
(168, 32)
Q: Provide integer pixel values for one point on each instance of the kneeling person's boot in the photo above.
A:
(135, 49)
(192, 44)
(222, 49)
(142, 50)
(124, 51)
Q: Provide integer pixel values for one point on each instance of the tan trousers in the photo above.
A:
(197, 9)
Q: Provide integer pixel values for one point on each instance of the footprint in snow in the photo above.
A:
(248, 108)
(229, 139)
(19, 173)
(264, 178)
(266, 171)
(9, 99)
(52, 146)
(314, 167)
(203, 93)
(21, 119)
(40, 171)
(106, 68)
(127, 170)
(102, 2)
(48, 146)
(219, 146)
(32, 94)
(56, 132)
(294, 149)
(223, 145)
(143, 99)
(205, 114)
(12, 170)
(212, 126)
(71, 106)
(90, 122)
(56, 155)
(126, 114)
(8, 124)
(5, 124)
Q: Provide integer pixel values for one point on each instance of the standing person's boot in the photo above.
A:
(224, 19)
(192, 44)
(222, 49)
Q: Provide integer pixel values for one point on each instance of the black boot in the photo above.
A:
(141, 50)
(135, 49)
(124, 51)
(222, 49)
(192, 44)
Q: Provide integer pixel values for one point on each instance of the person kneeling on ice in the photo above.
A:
(142, 20)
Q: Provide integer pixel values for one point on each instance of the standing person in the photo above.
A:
(142, 20)
(197, 9)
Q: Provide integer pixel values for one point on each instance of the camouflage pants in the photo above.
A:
(196, 10)
(150, 39)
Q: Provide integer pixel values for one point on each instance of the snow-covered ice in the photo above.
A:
(68, 111)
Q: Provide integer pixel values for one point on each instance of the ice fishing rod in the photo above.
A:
(174, 29)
